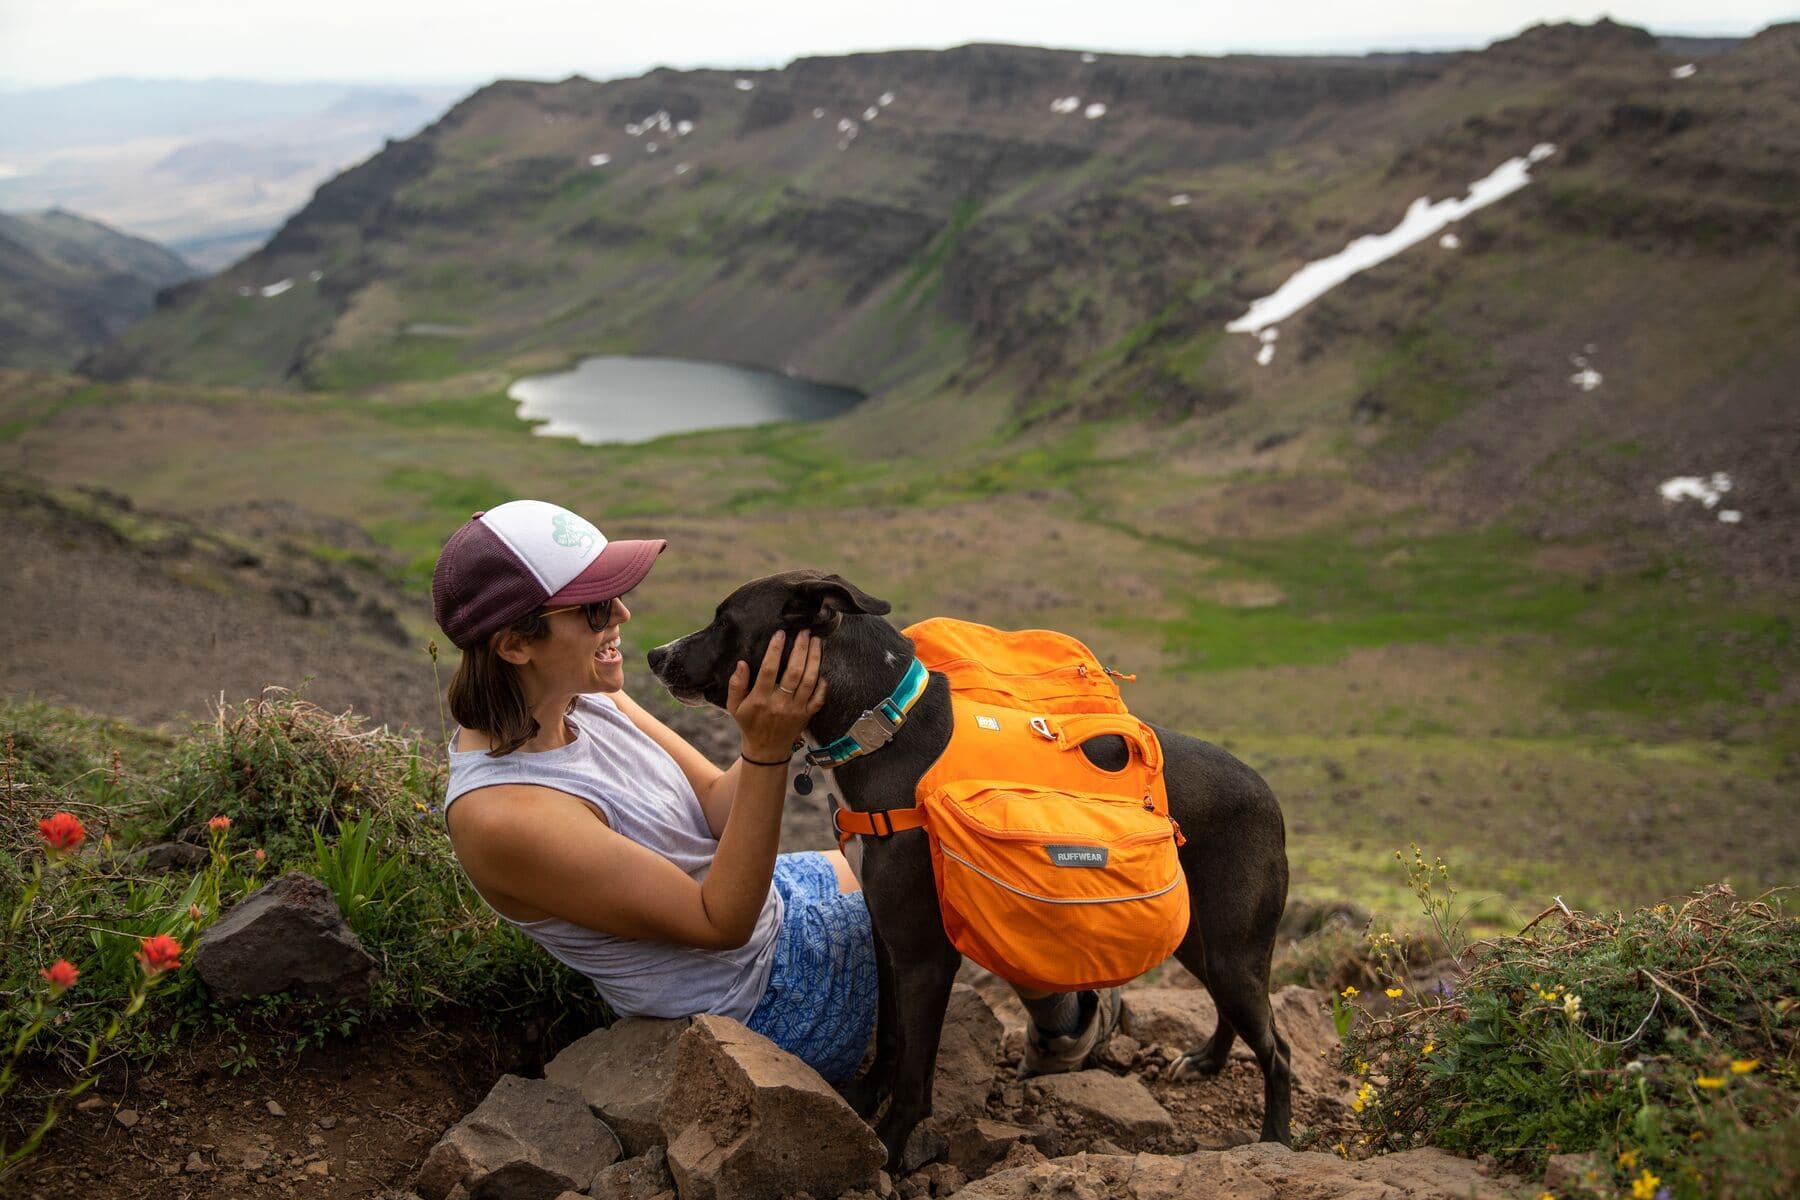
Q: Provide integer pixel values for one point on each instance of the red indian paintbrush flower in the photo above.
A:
(158, 954)
(61, 975)
(219, 824)
(62, 832)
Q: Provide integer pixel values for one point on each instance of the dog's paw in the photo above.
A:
(1195, 1064)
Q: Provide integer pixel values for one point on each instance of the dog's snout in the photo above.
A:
(658, 656)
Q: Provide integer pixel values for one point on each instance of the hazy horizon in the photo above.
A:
(49, 48)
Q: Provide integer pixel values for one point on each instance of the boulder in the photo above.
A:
(528, 1140)
(1115, 1106)
(745, 1119)
(1262, 1171)
(285, 937)
(965, 1062)
(643, 1178)
(1178, 1018)
(980, 1145)
(624, 1073)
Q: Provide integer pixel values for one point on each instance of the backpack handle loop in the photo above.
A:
(1072, 731)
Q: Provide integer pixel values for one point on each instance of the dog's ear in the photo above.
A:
(824, 600)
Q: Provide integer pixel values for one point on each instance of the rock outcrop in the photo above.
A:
(624, 1072)
(1263, 1171)
(529, 1140)
(744, 1119)
(286, 937)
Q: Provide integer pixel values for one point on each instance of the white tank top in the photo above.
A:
(639, 789)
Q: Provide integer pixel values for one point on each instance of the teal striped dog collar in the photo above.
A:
(877, 726)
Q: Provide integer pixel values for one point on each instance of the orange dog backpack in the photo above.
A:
(1052, 873)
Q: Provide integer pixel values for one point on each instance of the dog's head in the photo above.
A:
(697, 668)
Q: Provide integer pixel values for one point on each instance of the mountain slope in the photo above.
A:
(988, 260)
(68, 284)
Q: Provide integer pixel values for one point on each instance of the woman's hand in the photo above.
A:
(773, 714)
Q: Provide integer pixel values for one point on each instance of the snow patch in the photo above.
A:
(683, 128)
(683, 168)
(1095, 112)
(871, 112)
(885, 99)
(1684, 71)
(1449, 241)
(1708, 490)
(1180, 200)
(314, 276)
(1423, 218)
(275, 289)
(1587, 379)
(743, 85)
(1066, 104)
(1265, 354)
(650, 147)
(599, 160)
(817, 113)
(1090, 58)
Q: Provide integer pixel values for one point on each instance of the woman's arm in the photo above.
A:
(539, 849)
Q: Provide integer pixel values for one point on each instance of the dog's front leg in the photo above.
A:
(865, 1093)
(903, 903)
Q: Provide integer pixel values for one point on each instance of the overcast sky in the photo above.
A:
(456, 41)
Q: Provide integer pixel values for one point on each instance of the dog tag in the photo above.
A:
(803, 783)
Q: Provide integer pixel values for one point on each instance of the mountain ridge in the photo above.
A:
(67, 284)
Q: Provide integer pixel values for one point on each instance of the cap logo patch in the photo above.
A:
(987, 722)
(567, 529)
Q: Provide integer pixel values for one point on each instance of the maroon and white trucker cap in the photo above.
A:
(514, 559)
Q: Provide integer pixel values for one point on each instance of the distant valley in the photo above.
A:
(208, 169)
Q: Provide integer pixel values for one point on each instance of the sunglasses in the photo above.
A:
(598, 613)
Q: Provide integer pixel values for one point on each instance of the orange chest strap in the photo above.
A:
(850, 824)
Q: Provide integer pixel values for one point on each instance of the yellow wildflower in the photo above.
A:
(1644, 1186)
(1364, 1096)
(1395, 993)
(1627, 1159)
(1546, 1196)
(1350, 993)
(1743, 1066)
(1572, 1005)
(1342, 1153)
(1429, 1047)
(1711, 1083)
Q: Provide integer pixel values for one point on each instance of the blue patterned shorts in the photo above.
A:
(820, 1004)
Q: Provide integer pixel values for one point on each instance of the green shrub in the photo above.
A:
(1664, 1040)
(275, 784)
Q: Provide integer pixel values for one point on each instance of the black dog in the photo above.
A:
(1235, 859)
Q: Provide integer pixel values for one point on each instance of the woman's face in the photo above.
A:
(575, 658)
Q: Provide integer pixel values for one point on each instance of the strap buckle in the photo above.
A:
(874, 729)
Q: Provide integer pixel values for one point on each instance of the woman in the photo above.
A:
(604, 836)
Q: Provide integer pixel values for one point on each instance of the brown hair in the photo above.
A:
(485, 694)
